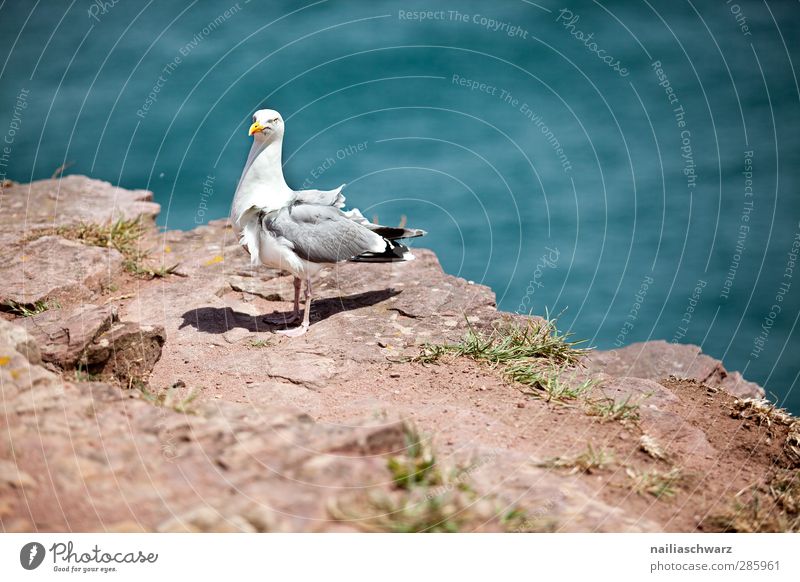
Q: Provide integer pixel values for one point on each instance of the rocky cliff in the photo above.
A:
(142, 391)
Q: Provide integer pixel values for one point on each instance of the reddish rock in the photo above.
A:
(656, 360)
(20, 340)
(64, 335)
(70, 200)
(266, 433)
(52, 267)
(127, 351)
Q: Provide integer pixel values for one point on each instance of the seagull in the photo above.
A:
(302, 231)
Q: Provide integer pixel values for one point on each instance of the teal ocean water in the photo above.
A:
(633, 166)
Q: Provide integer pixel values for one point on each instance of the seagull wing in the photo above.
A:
(321, 234)
(336, 199)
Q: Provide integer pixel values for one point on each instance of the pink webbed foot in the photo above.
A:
(294, 331)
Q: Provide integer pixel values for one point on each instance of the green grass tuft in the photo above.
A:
(30, 309)
(259, 343)
(511, 342)
(550, 382)
(417, 466)
(424, 499)
(534, 354)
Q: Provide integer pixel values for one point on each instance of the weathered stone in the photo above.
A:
(734, 383)
(71, 200)
(128, 351)
(658, 359)
(271, 289)
(637, 392)
(284, 429)
(11, 475)
(19, 339)
(64, 336)
(674, 434)
(51, 267)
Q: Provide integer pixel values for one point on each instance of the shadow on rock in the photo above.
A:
(222, 320)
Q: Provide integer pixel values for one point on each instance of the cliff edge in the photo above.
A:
(142, 391)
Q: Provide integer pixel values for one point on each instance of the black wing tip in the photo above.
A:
(395, 252)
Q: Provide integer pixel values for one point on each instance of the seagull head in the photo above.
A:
(267, 125)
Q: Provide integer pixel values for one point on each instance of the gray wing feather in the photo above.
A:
(321, 234)
(336, 198)
(322, 197)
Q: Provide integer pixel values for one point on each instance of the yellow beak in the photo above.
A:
(255, 127)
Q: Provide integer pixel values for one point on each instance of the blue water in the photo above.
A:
(544, 162)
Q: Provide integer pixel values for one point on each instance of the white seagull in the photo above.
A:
(302, 231)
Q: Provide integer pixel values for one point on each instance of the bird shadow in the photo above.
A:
(223, 319)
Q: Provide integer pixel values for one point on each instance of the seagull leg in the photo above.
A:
(303, 327)
(287, 319)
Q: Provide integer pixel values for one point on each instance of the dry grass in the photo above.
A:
(608, 409)
(770, 507)
(169, 399)
(124, 235)
(589, 461)
(656, 483)
(765, 413)
(651, 446)
(761, 411)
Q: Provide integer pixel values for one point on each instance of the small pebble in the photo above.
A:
(520, 405)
